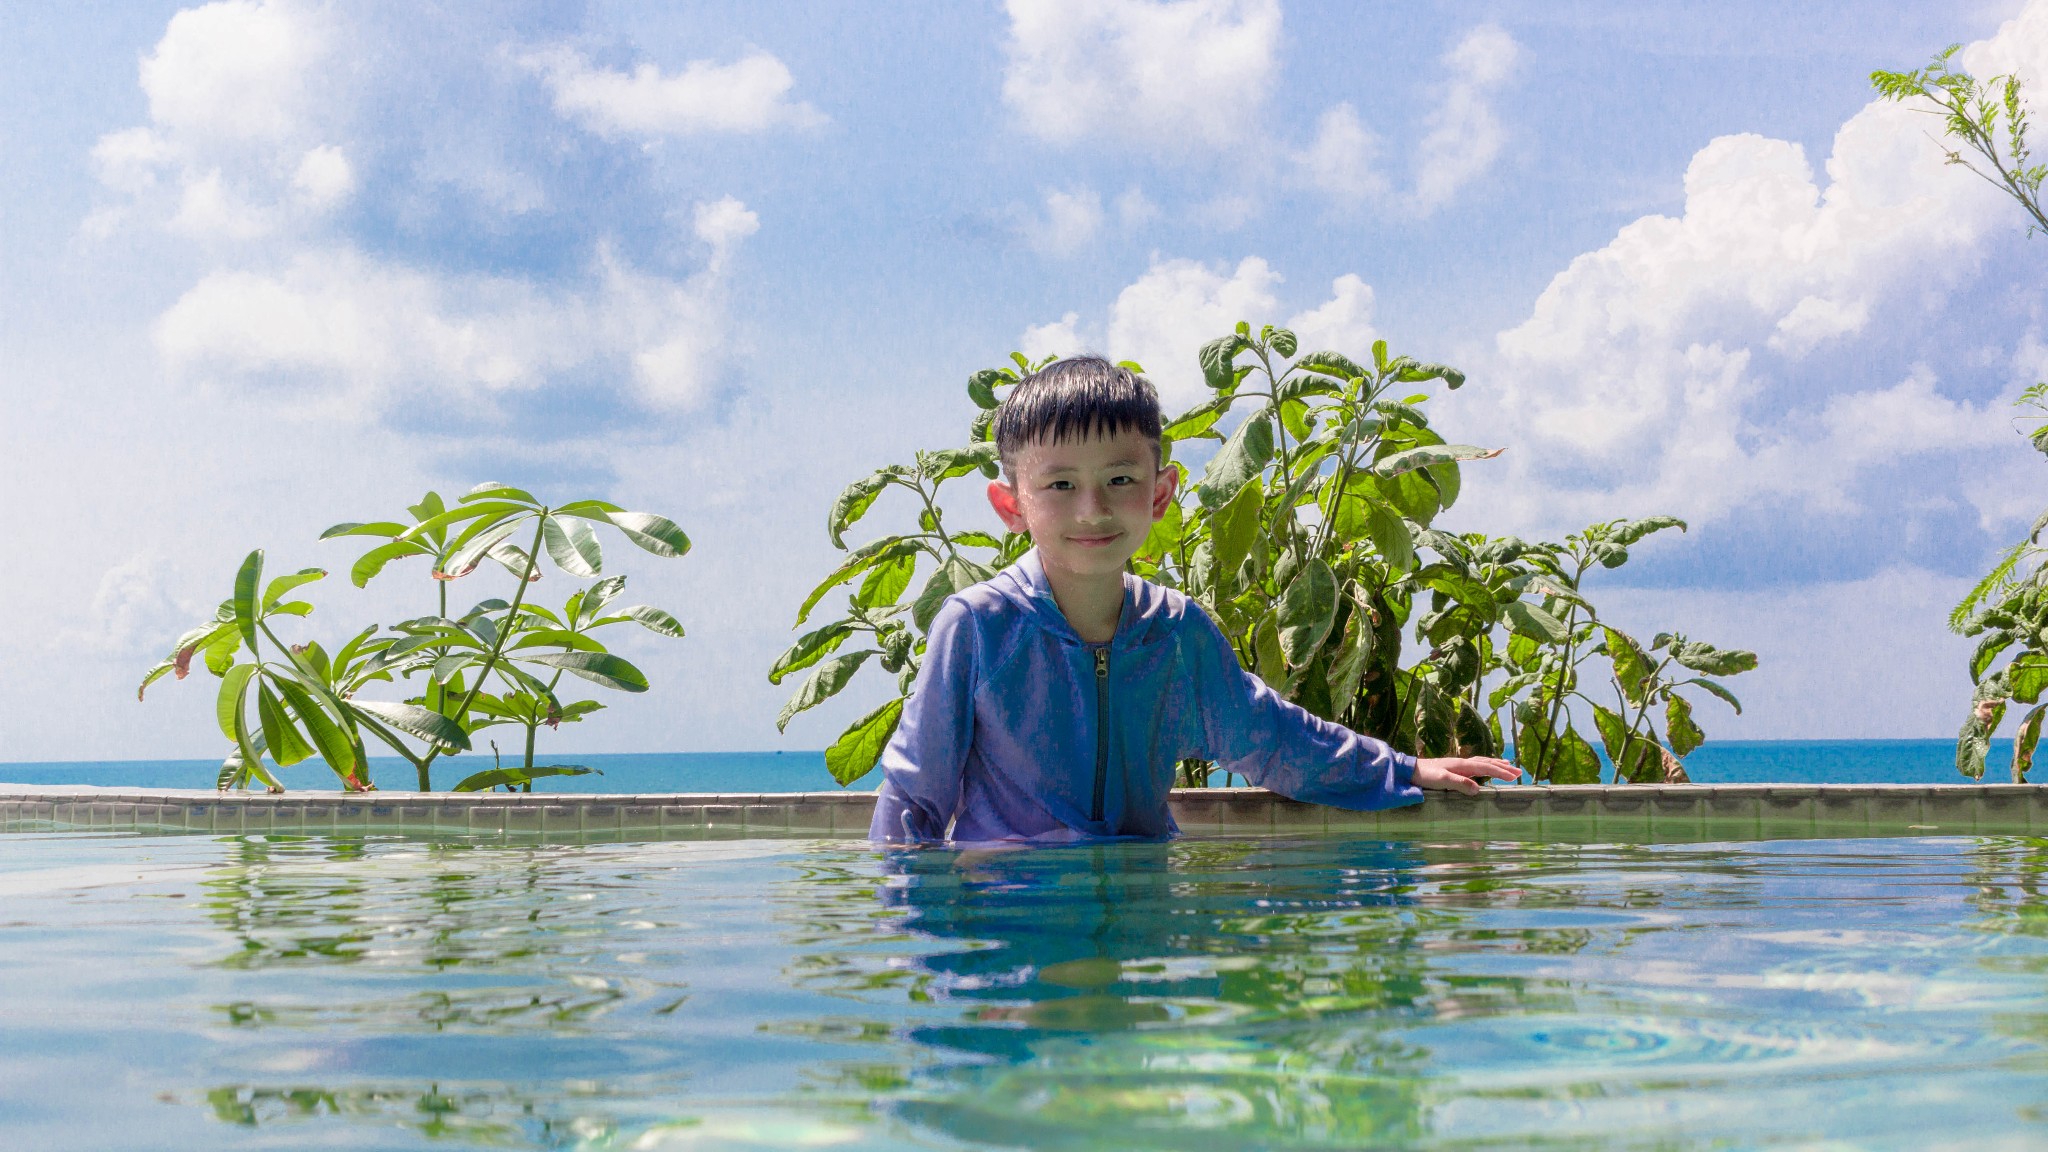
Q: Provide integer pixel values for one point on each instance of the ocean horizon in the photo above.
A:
(1930, 761)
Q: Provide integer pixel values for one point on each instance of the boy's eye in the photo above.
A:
(1060, 485)
(1116, 480)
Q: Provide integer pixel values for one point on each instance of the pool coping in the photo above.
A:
(1583, 812)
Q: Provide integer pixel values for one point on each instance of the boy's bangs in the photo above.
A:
(1076, 399)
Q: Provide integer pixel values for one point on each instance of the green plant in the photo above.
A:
(1310, 539)
(519, 648)
(886, 567)
(305, 700)
(2008, 608)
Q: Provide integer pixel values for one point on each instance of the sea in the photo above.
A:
(1724, 762)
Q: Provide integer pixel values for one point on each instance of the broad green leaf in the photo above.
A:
(656, 534)
(952, 463)
(2024, 743)
(284, 584)
(1718, 690)
(1389, 533)
(572, 545)
(854, 502)
(1233, 529)
(492, 490)
(1239, 462)
(973, 539)
(227, 705)
(1535, 623)
(1347, 671)
(1415, 373)
(601, 668)
(1627, 532)
(335, 746)
(370, 563)
(464, 559)
(414, 720)
(491, 778)
(1197, 421)
(1424, 457)
(1308, 608)
(1679, 725)
(377, 528)
(554, 637)
(1631, 667)
(486, 511)
(655, 620)
(875, 552)
(1712, 661)
(247, 579)
(1574, 761)
(854, 754)
(884, 584)
(598, 595)
(981, 388)
(1165, 533)
(810, 648)
(951, 577)
(1216, 356)
(823, 683)
(280, 735)
(291, 608)
(1973, 743)
(1332, 364)
(2026, 676)
(1271, 660)
(1283, 342)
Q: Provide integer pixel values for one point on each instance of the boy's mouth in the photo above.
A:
(1095, 541)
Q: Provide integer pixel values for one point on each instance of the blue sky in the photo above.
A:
(274, 265)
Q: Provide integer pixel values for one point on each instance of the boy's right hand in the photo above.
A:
(1463, 773)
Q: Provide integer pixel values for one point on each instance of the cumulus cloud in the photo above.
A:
(342, 332)
(750, 94)
(132, 610)
(1664, 372)
(236, 148)
(1464, 134)
(1162, 319)
(1170, 75)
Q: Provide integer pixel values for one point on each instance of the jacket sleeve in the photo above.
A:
(923, 762)
(1251, 730)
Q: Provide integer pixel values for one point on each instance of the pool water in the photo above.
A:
(168, 992)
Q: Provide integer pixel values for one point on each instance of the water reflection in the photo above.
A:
(1310, 994)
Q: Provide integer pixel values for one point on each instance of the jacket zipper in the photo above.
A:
(1101, 729)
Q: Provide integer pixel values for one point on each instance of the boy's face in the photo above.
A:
(1087, 502)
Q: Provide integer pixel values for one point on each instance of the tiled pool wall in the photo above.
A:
(1634, 813)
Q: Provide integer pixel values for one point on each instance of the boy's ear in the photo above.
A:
(1002, 496)
(1163, 490)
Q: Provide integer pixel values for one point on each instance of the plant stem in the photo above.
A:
(511, 615)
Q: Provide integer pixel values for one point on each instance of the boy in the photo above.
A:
(1055, 698)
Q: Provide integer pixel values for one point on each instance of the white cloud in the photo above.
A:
(1464, 138)
(1662, 372)
(1164, 317)
(1070, 220)
(1464, 133)
(132, 610)
(341, 332)
(1062, 337)
(324, 176)
(1343, 323)
(1134, 209)
(750, 94)
(240, 95)
(234, 70)
(1343, 162)
(1172, 75)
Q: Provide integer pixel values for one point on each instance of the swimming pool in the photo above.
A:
(366, 992)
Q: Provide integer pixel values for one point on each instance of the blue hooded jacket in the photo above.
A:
(1017, 729)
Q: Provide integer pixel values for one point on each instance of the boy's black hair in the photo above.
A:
(1078, 397)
